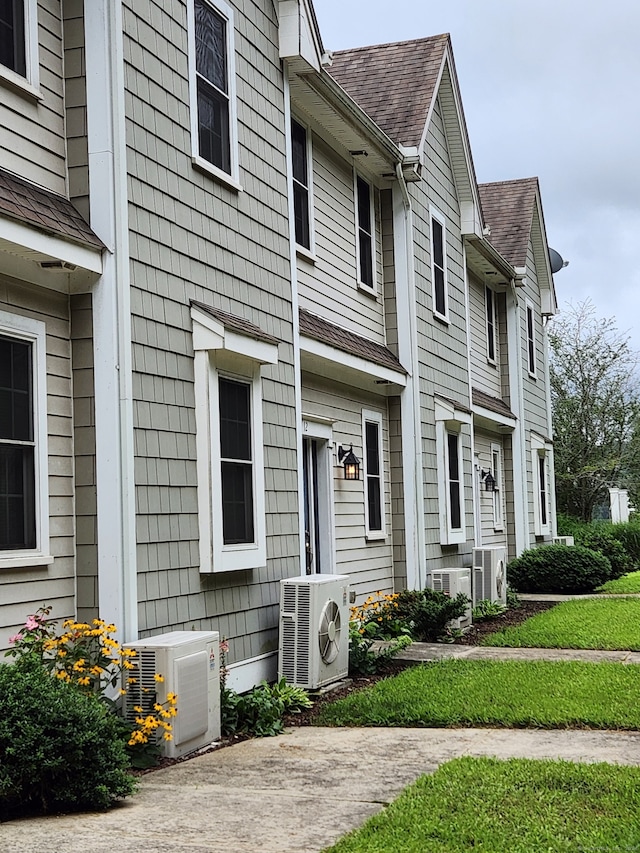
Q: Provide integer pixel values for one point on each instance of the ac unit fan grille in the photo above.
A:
(329, 632)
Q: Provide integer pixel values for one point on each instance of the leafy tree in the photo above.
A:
(596, 410)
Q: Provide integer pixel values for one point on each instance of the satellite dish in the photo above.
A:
(556, 260)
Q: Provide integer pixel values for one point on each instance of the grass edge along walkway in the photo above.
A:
(629, 584)
(586, 623)
(511, 694)
(514, 806)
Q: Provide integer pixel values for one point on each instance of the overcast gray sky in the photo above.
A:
(550, 88)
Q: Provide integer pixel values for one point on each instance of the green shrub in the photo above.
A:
(629, 535)
(487, 609)
(601, 539)
(365, 660)
(61, 750)
(570, 526)
(259, 712)
(427, 612)
(557, 568)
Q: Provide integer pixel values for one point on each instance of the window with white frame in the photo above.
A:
(540, 456)
(365, 244)
(230, 447)
(19, 42)
(490, 301)
(450, 462)
(531, 340)
(498, 495)
(213, 107)
(439, 265)
(301, 162)
(24, 511)
(373, 474)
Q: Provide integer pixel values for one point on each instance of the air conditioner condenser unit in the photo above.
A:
(189, 663)
(490, 574)
(453, 582)
(564, 540)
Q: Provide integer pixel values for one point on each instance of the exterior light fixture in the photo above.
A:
(351, 463)
(489, 480)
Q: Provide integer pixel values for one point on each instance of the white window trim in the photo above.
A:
(439, 217)
(373, 417)
(373, 288)
(529, 309)
(221, 352)
(494, 318)
(498, 494)
(29, 86)
(33, 331)
(450, 420)
(540, 449)
(310, 253)
(231, 179)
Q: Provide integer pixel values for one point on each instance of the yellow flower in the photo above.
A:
(84, 681)
(138, 709)
(123, 692)
(128, 665)
(157, 677)
(167, 736)
(172, 698)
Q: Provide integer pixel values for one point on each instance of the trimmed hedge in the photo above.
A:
(60, 750)
(605, 542)
(558, 568)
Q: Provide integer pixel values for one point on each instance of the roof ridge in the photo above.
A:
(533, 178)
(422, 40)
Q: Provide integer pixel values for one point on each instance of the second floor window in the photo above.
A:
(300, 157)
(439, 267)
(531, 341)
(364, 223)
(490, 299)
(12, 36)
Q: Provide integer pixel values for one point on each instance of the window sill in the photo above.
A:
(305, 254)
(19, 84)
(375, 536)
(492, 362)
(368, 291)
(17, 561)
(533, 376)
(441, 318)
(217, 174)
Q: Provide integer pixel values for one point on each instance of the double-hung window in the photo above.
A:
(24, 519)
(450, 422)
(531, 340)
(439, 266)
(236, 461)
(19, 43)
(213, 113)
(540, 459)
(301, 184)
(365, 234)
(490, 302)
(373, 474)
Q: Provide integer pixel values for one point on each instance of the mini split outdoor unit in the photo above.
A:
(314, 630)
(563, 540)
(189, 662)
(453, 582)
(490, 574)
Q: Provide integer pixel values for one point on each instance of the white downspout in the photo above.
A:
(108, 200)
(412, 463)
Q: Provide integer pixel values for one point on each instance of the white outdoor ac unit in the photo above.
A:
(189, 662)
(563, 540)
(490, 574)
(454, 581)
(314, 630)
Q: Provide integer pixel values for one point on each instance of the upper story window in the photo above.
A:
(531, 340)
(301, 184)
(490, 301)
(365, 233)
(213, 103)
(439, 266)
(374, 507)
(12, 36)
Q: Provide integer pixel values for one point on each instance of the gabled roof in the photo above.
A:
(39, 208)
(237, 324)
(393, 83)
(321, 330)
(508, 208)
(493, 404)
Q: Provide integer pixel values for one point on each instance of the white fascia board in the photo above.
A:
(24, 241)
(310, 346)
(211, 334)
(297, 39)
(444, 410)
(494, 417)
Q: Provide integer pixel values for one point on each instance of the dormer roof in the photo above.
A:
(508, 208)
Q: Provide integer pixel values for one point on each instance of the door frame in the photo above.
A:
(320, 429)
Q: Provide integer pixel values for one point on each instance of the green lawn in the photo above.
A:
(517, 806)
(627, 583)
(535, 694)
(587, 623)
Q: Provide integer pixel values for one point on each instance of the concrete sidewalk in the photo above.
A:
(296, 793)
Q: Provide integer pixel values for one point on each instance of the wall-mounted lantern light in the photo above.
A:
(351, 463)
(489, 480)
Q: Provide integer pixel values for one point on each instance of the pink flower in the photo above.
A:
(14, 639)
(31, 623)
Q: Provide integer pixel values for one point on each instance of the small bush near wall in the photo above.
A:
(61, 749)
(603, 541)
(558, 568)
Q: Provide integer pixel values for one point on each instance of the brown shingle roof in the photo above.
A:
(43, 210)
(508, 210)
(494, 404)
(393, 83)
(327, 333)
(238, 324)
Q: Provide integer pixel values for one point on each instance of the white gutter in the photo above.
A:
(108, 199)
(295, 309)
(412, 463)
